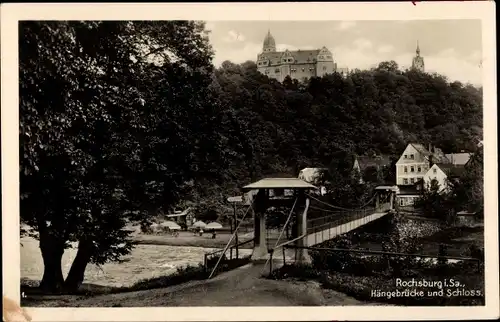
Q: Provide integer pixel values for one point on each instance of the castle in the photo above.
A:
(418, 61)
(299, 64)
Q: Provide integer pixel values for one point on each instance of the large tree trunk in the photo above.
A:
(52, 251)
(76, 273)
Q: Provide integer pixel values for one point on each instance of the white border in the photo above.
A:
(12, 13)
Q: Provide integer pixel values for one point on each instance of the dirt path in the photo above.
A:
(241, 287)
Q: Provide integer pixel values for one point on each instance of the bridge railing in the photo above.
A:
(331, 221)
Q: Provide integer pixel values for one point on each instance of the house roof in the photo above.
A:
(279, 183)
(378, 161)
(437, 153)
(310, 174)
(459, 158)
(421, 148)
(453, 170)
(408, 190)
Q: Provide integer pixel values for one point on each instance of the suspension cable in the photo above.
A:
(230, 240)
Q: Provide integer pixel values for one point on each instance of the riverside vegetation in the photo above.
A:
(359, 276)
(120, 120)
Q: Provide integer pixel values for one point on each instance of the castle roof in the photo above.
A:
(299, 56)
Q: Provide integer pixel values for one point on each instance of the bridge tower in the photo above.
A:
(266, 197)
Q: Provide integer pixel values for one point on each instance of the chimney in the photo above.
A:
(430, 147)
(431, 161)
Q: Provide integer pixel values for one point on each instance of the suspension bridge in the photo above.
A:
(311, 220)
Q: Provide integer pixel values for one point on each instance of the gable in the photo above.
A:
(418, 156)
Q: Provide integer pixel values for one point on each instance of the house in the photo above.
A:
(442, 173)
(182, 217)
(362, 163)
(312, 175)
(408, 195)
(459, 158)
(415, 161)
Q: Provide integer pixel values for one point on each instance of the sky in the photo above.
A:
(452, 48)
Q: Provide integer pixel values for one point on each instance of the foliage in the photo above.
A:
(121, 120)
(114, 118)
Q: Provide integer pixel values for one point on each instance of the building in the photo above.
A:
(313, 175)
(299, 64)
(442, 173)
(459, 158)
(407, 196)
(418, 61)
(415, 161)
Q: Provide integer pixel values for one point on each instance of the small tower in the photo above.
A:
(269, 43)
(418, 61)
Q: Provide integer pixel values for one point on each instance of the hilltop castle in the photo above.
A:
(418, 61)
(299, 64)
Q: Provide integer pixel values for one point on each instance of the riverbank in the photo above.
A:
(188, 239)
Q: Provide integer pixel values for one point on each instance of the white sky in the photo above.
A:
(450, 47)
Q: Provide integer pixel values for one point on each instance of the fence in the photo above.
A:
(383, 253)
(235, 247)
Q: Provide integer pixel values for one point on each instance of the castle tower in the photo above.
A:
(269, 43)
(418, 61)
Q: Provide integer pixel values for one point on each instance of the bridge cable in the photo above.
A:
(230, 240)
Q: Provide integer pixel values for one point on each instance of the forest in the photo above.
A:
(120, 120)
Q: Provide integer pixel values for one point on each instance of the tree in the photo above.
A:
(115, 118)
(434, 201)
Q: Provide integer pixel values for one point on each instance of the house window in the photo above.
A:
(324, 67)
(405, 181)
(328, 56)
(419, 169)
(401, 202)
(412, 156)
(406, 169)
(406, 156)
(434, 171)
(412, 169)
(267, 71)
(412, 180)
(277, 70)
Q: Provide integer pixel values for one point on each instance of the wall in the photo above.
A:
(406, 200)
(417, 162)
(436, 173)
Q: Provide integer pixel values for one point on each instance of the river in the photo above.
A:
(145, 261)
